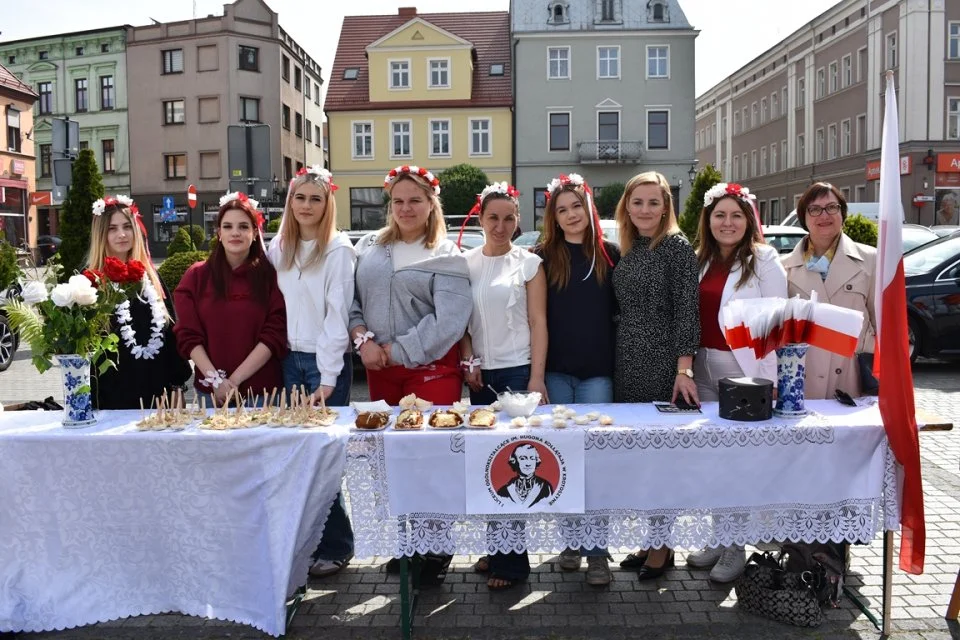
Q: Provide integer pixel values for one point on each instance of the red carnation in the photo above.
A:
(92, 275)
(259, 220)
(405, 168)
(393, 173)
(422, 171)
(114, 269)
(333, 187)
(135, 270)
(733, 188)
(434, 182)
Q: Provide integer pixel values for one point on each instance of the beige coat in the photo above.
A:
(849, 284)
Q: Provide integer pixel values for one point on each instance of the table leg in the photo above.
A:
(887, 582)
(294, 605)
(953, 609)
(409, 590)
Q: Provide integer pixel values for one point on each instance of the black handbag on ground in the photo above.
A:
(793, 587)
(869, 385)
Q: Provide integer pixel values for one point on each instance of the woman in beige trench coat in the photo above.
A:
(842, 272)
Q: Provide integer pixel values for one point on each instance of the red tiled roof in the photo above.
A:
(10, 81)
(489, 32)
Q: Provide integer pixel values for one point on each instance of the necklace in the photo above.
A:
(157, 321)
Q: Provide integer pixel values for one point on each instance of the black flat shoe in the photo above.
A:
(646, 572)
(634, 560)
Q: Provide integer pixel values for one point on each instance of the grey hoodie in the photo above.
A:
(423, 308)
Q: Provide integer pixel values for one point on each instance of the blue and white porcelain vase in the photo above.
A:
(790, 373)
(77, 404)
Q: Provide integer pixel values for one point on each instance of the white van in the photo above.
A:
(869, 210)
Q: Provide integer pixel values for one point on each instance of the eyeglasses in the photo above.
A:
(815, 210)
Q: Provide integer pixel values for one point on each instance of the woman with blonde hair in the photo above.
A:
(147, 361)
(412, 299)
(658, 334)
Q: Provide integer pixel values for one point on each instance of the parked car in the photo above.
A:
(47, 247)
(610, 231)
(471, 239)
(915, 235)
(944, 229)
(783, 237)
(9, 339)
(932, 273)
(528, 240)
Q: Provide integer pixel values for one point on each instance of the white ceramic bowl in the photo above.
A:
(519, 404)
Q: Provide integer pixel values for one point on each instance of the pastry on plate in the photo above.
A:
(372, 419)
(411, 401)
(443, 419)
(409, 420)
(482, 418)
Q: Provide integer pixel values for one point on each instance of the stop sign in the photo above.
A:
(192, 196)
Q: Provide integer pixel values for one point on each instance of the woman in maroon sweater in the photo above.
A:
(231, 318)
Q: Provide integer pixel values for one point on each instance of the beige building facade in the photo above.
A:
(18, 216)
(810, 108)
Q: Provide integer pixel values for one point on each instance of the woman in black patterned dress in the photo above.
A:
(657, 288)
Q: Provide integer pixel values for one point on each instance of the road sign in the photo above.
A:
(62, 172)
(66, 138)
(168, 203)
(248, 156)
(191, 196)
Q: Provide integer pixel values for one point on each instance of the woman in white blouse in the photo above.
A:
(506, 342)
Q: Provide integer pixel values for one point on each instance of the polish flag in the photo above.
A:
(892, 356)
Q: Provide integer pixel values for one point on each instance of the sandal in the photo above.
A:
(482, 565)
(634, 560)
(506, 583)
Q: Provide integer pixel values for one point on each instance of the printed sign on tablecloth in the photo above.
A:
(525, 473)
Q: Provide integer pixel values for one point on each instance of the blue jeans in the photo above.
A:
(515, 378)
(566, 389)
(300, 368)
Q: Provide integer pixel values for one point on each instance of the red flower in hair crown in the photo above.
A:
(562, 180)
(722, 189)
(239, 196)
(99, 206)
(320, 172)
(415, 170)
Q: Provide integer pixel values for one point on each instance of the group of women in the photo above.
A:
(578, 319)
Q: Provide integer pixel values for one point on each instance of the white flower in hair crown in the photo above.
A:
(320, 172)
(564, 179)
(722, 189)
(504, 188)
(238, 195)
(100, 205)
(420, 171)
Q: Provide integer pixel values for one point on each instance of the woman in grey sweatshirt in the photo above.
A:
(412, 299)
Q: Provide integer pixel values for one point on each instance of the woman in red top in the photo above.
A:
(734, 263)
(231, 318)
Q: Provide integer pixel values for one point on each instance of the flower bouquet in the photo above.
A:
(69, 321)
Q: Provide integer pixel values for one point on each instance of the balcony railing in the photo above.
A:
(611, 151)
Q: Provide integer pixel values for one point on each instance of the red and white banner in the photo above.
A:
(892, 354)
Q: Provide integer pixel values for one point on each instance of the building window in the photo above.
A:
(736, 122)
(764, 114)
(317, 136)
(496, 69)
(107, 93)
(773, 158)
(754, 167)
(297, 79)
(953, 118)
(746, 120)
(308, 131)
(764, 168)
(176, 165)
(953, 42)
(13, 129)
(439, 74)
(607, 11)
(208, 110)
(657, 11)
(249, 58)
(846, 70)
(105, 48)
(783, 101)
(366, 208)
(43, 55)
(174, 112)
(754, 115)
(11, 59)
(891, 57)
(774, 211)
(78, 51)
(285, 117)
(821, 83)
(845, 138)
(801, 93)
(285, 67)
(400, 74)
(80, 94)
(172, 61)
(306, 88)
(400, 147)
(608, 130)
(558, 63)
(818, 150)
(558, 14)
(736, 168)
(439, 137)
(249, 109)
(108, 156)
(316, 93)
(46, 155)
(744, 167)
(774, 107)
(658, 61)
(287, 169)
(83, 144)
(658, 129)
(362, 139)
(832, 142)
(608, 62)
(480, 137)
(45, 90)
(834, 78)
(559, 132)
(801, 151)
(209, 165)
(783, 154)
(861, 133)
(298, 125)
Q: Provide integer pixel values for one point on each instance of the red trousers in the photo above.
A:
(440, 382)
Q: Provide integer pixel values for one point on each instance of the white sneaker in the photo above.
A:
(323, 568)
(706, 557)
(730, 565)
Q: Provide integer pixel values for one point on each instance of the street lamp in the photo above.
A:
(692, 172)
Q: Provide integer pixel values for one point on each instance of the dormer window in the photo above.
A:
(558, 13)
(607, 11)
(657, 11)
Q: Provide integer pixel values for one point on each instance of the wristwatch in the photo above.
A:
(685, 372)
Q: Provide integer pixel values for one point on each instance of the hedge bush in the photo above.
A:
(273, 226)
(861, 229)
(172, 269)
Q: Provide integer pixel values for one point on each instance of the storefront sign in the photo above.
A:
(873, 167)
(948, 162)
(19, 167)
(41, 198)
(873, 170)
(947, 180)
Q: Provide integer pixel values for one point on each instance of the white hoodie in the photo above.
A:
(318, 301)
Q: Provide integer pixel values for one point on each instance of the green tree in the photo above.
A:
(10, 270)
(459, 186)
(861, 229)
(690, 217)
(86, 187)
(609, 196)
(171, 270)
(181, 243)
(273, 226)
(197, 235)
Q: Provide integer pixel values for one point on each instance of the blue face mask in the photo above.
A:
(821, 265)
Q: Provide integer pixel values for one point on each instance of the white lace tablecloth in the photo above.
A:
(106, 522)
(653, 479)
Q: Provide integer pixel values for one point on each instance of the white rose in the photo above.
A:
(62, 295)
(35, 292)
(83, 292)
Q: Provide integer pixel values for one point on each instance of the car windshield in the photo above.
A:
(913, 237)
(527, 239)
(929, 257)
(783, 243)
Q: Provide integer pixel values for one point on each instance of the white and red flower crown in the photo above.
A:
(504, 188)
(320, 172)
(722, 189)
(562, 180)
(99, 206)
(420, 171)
(239, 196)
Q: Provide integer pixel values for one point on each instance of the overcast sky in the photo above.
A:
(732, 32)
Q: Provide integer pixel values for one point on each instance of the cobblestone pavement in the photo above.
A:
(363, 601)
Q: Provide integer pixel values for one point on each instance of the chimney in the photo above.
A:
(408, 12)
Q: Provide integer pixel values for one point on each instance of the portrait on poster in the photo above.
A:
(947, 207)
(525, 474)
